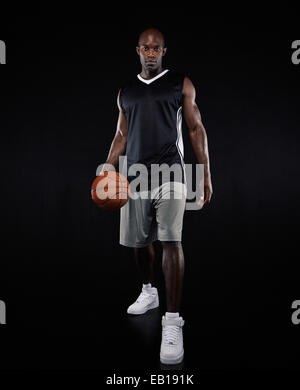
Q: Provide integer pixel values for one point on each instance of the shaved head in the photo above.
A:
(153, 33)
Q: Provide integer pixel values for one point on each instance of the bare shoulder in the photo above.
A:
(188, 86)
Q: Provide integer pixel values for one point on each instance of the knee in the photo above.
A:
(146, 250)
(171, 244)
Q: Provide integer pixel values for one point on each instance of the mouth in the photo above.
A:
(150, 62)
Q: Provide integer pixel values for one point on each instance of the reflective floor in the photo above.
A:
(58, 333)
(73, 315)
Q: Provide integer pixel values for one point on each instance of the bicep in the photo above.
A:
(191, 111)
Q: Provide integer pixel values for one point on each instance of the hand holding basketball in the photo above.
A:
(110, 190)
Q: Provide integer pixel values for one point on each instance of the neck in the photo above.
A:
(149, 74)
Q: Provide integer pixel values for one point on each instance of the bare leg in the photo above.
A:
(173, 269)
(144, 258)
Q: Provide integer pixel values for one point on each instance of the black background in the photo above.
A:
(64, 277)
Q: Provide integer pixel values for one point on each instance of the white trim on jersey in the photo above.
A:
(153, 78)
(179, 141)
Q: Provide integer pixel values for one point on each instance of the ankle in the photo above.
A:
(147, 285)
(172, 314)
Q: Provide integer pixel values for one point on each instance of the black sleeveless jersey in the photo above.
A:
(153, 110)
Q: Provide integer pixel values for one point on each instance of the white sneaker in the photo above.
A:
(171, 349)
(148, 299)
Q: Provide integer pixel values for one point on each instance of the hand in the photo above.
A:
(208, 191)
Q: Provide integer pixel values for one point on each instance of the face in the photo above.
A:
(151, 50)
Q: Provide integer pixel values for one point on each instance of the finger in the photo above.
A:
(207, 196)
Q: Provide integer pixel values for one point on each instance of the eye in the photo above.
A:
(146, 48)
(157, 48)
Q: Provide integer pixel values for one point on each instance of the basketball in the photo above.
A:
(110, 191)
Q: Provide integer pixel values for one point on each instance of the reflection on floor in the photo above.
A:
(94, 331)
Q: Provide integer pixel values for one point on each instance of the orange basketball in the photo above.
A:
(110, 191)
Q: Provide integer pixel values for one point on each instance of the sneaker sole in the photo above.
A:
(169, 360)
(152, 306)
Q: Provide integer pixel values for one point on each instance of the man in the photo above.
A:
(149, 132)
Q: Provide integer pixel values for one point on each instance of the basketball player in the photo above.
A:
(149, 132)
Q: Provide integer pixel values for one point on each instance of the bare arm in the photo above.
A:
(197, 133)
(118, 145)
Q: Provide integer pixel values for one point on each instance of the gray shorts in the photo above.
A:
(154, 215)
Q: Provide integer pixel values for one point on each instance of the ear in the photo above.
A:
(164, 51)
(137, 50)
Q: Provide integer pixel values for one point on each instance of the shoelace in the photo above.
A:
(143, 295)
(171, 333)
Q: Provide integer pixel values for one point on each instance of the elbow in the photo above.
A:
(193, 131)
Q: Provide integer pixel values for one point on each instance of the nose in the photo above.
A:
(151, 53)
